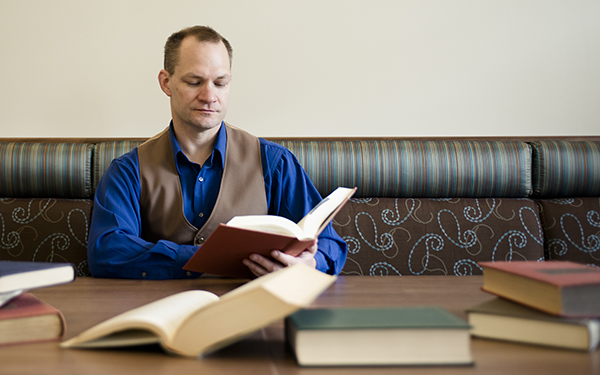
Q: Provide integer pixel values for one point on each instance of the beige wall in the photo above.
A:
(309, 68)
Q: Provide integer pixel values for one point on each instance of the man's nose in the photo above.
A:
(207, 93)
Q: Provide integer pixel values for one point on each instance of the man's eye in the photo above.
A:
(194, 83)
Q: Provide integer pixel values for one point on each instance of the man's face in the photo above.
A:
(199, 86)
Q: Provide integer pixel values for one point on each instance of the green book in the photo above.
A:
(378, 336)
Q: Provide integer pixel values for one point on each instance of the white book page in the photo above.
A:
(307, 228)
(162, 317)
(6, 297)
(312, 222)
(269, 224)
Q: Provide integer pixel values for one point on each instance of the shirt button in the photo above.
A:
(188, 273)
(201, 214)
(144, 274)
(199, 241)
(201, 179)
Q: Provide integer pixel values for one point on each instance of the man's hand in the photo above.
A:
(260, 265)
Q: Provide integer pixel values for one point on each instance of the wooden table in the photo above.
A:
(89, 301)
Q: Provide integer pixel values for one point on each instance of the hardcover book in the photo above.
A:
(502, 319)
(197, 322)
(27, 319)
(378, 336)
(15, 276)
(223, 252)
(556, 287)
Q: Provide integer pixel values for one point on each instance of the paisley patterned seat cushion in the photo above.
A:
(572, 227)
(405, 236)
(45, 230)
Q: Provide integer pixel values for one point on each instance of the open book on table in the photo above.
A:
(197, 322)
(222, 253)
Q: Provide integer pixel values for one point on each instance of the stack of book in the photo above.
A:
(552, 303)
(24, 318)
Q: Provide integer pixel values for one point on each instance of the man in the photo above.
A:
(155, 205)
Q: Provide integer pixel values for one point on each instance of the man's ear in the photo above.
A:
(164, 78)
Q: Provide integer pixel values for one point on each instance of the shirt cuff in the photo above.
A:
(322, 263)
(184, 253)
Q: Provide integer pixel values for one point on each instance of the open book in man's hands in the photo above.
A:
(197, 322)
(222, 253)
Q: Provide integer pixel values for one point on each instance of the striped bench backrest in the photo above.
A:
(432, 169)
(566, 168)
(57, 170)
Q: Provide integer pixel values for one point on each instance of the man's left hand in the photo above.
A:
(260, 265)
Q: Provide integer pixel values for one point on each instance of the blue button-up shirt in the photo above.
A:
(115, 248)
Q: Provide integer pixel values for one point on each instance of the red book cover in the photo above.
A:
(560, 273)
(556, 287)
(22, 320)
(226, 248)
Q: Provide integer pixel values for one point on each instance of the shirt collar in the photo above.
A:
(218, 150)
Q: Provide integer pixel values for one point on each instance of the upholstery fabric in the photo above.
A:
(45, 230)
(56, 170)
(572, 227)
(431, 169)
(566, 169)
(402, 236)
(106, 152)
(424, 207)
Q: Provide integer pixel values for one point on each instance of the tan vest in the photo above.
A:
(242, 190)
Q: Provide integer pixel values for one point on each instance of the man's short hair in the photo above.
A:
(202, 34)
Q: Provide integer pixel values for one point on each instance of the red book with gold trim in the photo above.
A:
(27, 319)
(556, 287)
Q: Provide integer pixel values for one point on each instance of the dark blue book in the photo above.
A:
(20, 276)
